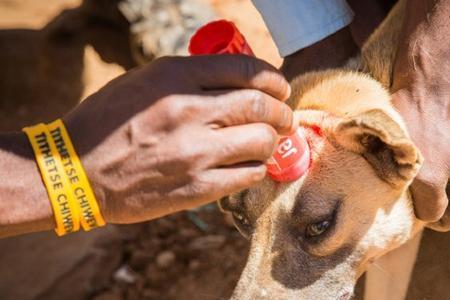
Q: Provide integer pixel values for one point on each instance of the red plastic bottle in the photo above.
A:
(291, 159)
(219, 37)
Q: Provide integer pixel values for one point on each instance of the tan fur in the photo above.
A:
(362, 166)
(388, 278)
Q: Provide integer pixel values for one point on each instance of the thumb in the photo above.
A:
(443, 224)
(430, 199)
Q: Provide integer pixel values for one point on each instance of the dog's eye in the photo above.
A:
(243, 224)
(317, 229)
(241, 219)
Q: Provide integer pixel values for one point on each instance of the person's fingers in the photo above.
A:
(214, 184)
(238, 71)
(444, 222)
(236, 178)
(238, 144)
(251, 106)
(430, 199)
(443, 225)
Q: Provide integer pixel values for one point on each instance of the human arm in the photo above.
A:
(174, 134)
(422, 95)
(24, 205)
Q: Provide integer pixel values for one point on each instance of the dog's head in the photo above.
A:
(312, 238)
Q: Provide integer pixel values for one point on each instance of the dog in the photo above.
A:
(314, 237)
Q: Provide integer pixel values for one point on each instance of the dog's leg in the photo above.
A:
(388, 277)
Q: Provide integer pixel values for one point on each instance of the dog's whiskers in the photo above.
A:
(389, 275)
(382, 270)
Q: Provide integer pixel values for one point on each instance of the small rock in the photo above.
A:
(194, 265)
(207, 242)
(125, 274)
(165, 259)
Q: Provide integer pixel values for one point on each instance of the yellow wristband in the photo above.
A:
(90, 215)
(52, 171)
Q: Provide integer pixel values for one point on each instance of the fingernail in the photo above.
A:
(295, 121)
(291, 123)
(260, 173)
(289, 90)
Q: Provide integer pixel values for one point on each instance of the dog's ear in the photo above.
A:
(383, 143)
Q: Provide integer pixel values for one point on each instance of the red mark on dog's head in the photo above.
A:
(317, 130)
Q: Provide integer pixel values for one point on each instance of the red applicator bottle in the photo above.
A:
(291, 159)
(219, 37)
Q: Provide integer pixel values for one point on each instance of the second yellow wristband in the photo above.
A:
(90, 216)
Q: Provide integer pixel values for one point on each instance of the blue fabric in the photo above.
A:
(296, 24)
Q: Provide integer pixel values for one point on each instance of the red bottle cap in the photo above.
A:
(219, 37)
(292, 157)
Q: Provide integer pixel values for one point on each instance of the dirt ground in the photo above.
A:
(48, 66)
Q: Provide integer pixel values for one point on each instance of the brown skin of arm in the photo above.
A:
(24, 205)
(422, 89)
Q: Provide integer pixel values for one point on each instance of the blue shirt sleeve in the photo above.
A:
(296, 24)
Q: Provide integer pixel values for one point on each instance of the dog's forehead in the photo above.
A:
(278, 196)
(335, 175)
(332, 175)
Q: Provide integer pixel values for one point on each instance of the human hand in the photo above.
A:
(179, 132)
(422, 95)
